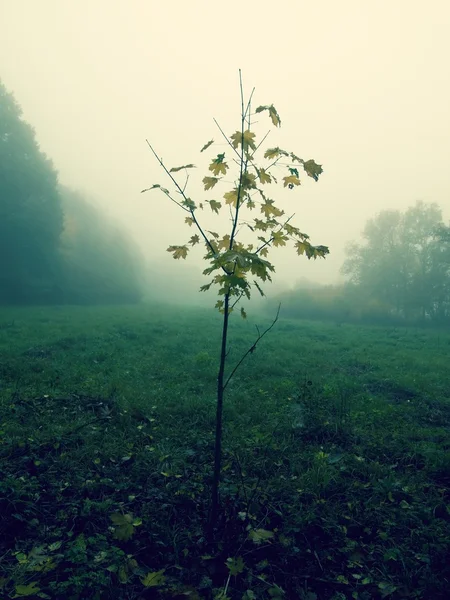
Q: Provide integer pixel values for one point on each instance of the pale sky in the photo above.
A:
(363, 87)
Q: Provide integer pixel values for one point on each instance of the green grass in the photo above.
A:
(336, 479)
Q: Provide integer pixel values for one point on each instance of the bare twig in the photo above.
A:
(252, 348)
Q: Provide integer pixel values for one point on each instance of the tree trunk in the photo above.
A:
(219, 411)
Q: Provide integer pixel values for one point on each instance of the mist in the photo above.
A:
(363, 88)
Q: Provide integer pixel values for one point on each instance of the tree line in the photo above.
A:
(398, 273)
(55, 247)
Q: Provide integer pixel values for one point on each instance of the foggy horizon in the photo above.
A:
(361, 88)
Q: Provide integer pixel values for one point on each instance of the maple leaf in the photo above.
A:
(290, 181)
(272, 113)
(279, 239)
(175, 169)
(215, 206)
(250, 204)
(274, 152)
(264, 177)
(189, 221)
(178, 251)
(248, 181)
(194, 240)
(268, 208)
(205, 288)
(224, 242)
(218, 165)
(189, 204)
(264, 252)
(231, 197)
(301, 247)
(209, 182)
(207, 145)
(313, 169)
(246, 140)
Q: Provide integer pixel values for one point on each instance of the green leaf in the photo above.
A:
(178, 251)
(260, 535)
(189, 221)
(243, 313)
(26, 590)
(209, 182)
(156, 186)
(272, 113)
(154, 579)
(207, 145)
(189, 203)
(194, 240)
(313, 169)
(175, 169)
(215, 206)
(235, 565)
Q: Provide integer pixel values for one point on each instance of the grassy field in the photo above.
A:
(336, 479)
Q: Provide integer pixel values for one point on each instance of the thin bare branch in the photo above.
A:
(252, 348)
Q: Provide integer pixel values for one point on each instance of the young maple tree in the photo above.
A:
(234, 266)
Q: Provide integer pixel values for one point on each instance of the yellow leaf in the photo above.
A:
(246, 140)
(209, 182)
(264, 177)
(272, 113)
(218, 166)
(231, 197)
(224, 242)
(279, 239)
(274, 152)
(290, 181)
(178, 251)
(268, 208)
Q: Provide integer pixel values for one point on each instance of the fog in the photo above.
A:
(361, 87)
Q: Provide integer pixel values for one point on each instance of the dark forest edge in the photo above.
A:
(55, 246)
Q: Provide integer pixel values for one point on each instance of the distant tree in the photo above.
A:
(237, 267)
(401, 261)
(30, 211)
(100, 263)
